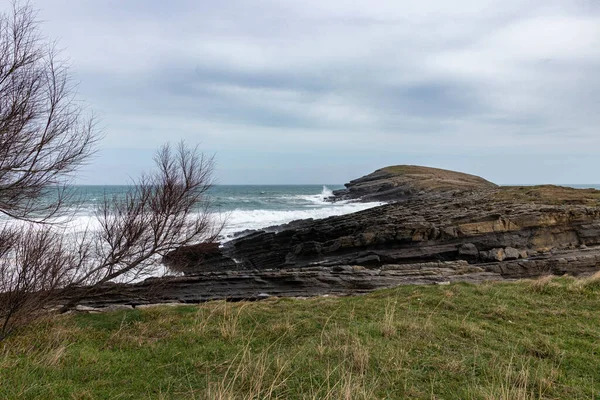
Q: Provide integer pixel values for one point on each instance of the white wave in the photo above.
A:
(237, 220)
(319, 198)
(69, 225)
(241, 220)
(326, 192)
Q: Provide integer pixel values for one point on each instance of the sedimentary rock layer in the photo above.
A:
(441, 226)
(335, 280)
(479, 227)
(402, 181)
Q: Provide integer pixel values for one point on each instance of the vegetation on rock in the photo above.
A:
(399, 182)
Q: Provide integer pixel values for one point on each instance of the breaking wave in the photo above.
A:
(241, 220)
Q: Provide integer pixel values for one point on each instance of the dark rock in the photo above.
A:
(493, 255)
(368, 260)
(442, 227)
(186, 258)
(338, 280)
(497, 223)
(523, 253)
(510, 253)
(468, 251)
(530, 253)
(402, 181)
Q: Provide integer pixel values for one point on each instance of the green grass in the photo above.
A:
(526, 340)
(549, 194)
(427, 178)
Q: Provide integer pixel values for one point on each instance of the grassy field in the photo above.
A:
(525, 340)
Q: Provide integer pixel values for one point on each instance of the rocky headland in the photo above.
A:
(438, 227)
(403, 181)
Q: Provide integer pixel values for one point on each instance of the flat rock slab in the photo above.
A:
(334, 280)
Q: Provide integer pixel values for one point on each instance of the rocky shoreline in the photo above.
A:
(340, 280)
(440, 226)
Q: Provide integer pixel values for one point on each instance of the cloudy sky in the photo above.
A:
(322, 91)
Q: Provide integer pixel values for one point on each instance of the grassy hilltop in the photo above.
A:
(525, 340)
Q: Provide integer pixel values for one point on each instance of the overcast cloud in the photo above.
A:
(316, 91)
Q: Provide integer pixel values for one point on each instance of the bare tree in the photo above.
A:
(34, 262)
(41, 266)
(44, 138)
(163, 211)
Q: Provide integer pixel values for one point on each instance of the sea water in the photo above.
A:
(255, 207)
(239, 207)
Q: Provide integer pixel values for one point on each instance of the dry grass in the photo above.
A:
(590, 282)
(435, 178)
(549, 194)
(519, 381)
(252, 376)
(543, 284)
(389, 325)
(229, 319)
(493, 341)
(549, 283)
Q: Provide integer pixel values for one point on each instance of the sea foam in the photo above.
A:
(241, 220)
(242, 208)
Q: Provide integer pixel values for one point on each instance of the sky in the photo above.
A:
(324, 91)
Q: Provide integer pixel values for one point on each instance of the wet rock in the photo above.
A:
(368, 260)
(186, 258)
(486, 225)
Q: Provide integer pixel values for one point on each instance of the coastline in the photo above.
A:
(435, 231)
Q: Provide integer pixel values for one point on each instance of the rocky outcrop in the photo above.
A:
(403, 181)
(478, 227)
(441, 227)
(333, 280)
(186, 259)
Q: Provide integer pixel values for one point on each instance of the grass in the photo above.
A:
(549, 194)
(526, 340)
(435, 178)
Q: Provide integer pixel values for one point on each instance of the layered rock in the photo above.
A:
(333, 280)
(403, 181)
(440, 227)
(492, 225)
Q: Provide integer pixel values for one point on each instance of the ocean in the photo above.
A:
(254, 207)
(242, 207)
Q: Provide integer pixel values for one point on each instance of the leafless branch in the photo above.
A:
(44, 138)
(44, 135)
